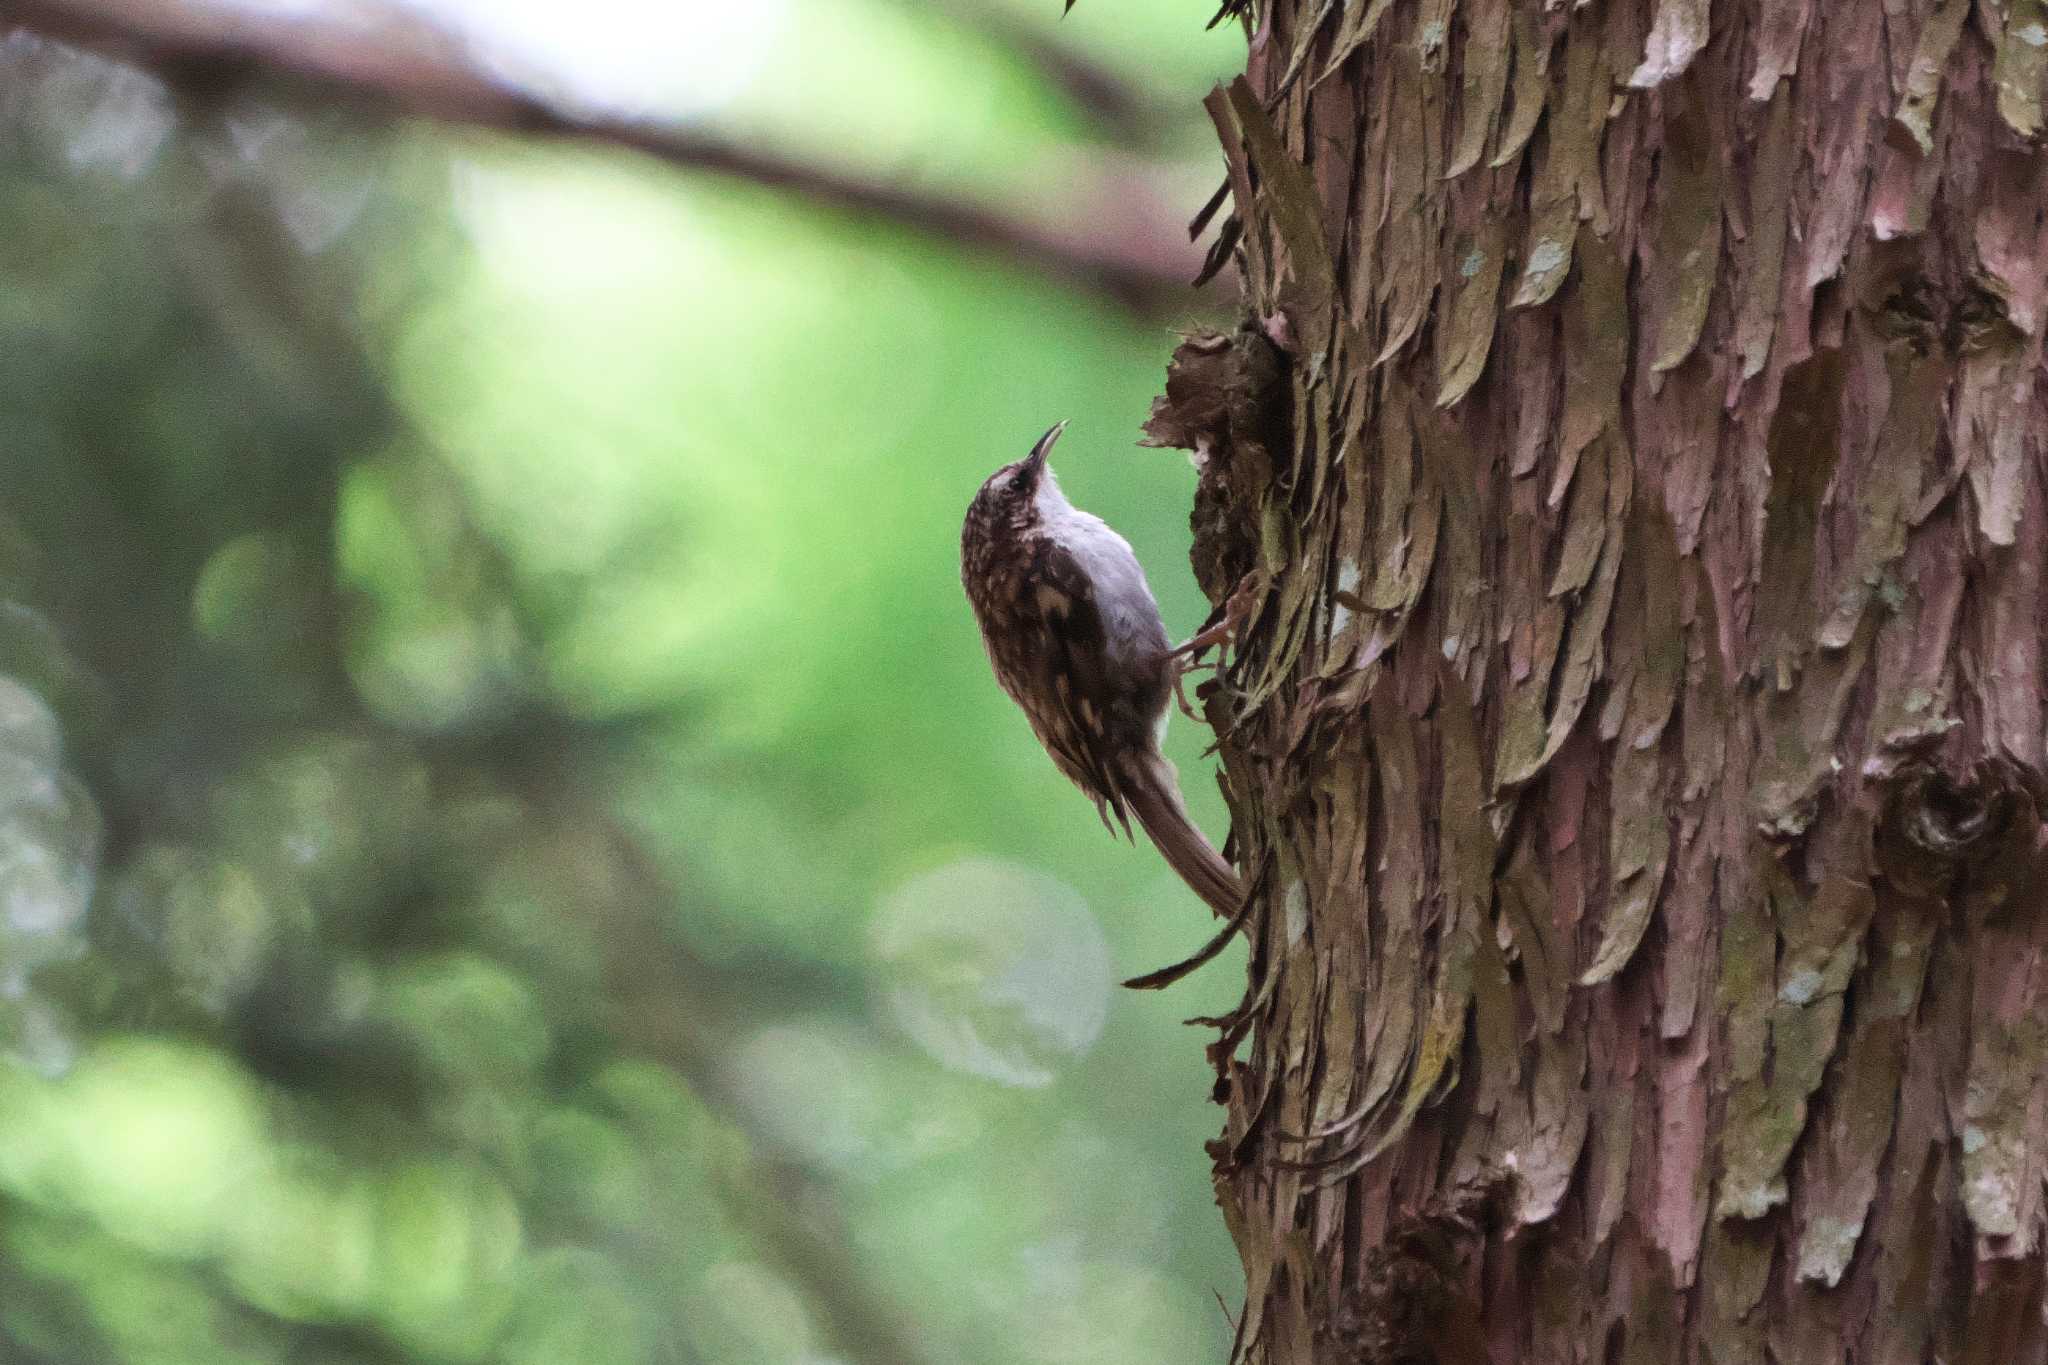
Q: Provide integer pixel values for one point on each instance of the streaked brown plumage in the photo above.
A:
(1076, 640)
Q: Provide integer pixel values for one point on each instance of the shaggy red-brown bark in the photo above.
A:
(1634, 456)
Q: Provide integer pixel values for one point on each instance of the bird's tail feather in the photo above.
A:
(1153, 793)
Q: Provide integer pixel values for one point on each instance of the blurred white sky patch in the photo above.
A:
(560, 231)
(656, 59)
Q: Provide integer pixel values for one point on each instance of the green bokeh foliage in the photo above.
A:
(509, 850)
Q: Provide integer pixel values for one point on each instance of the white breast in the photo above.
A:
(1130, 615)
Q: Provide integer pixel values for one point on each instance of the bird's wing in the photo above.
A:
(1070, 661)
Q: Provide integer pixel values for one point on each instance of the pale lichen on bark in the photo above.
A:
(1636, 484)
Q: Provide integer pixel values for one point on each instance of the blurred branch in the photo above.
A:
(397, 65)
(1119, 107)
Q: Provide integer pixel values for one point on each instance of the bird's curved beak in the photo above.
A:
(1036, 460)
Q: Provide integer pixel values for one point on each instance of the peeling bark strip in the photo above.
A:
(1630, 478)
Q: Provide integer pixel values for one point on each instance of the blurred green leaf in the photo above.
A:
(448, 1251)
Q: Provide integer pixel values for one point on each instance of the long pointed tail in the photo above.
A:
(1153, 791)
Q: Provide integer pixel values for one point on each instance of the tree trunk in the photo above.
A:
(1629, 482)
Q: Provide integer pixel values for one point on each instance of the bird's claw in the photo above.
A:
(1237, 610)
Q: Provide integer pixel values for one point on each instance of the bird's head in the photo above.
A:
(1012, 492)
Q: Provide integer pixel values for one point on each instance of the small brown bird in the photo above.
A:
(1076, 640)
